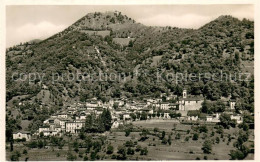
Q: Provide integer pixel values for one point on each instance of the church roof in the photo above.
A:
(194, 98)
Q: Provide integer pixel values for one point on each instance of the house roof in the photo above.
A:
(21, 131)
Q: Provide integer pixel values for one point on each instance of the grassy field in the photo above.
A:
(180, 148)
(102, 33)
(123, 41)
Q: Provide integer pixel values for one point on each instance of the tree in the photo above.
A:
(169, 139)
(40, 144)
(225, 120)
(71, 157)
(164, 141)
(127, 132)
(85, 158)
(233, 123)
(144, 134)
(237, 57)
(11, 146)
(163, 135)
(244, 126)
(122, 153)
(110, 149)
(133, 116)
(217, 140)
(205, 107)
(219, 106)
(236, 155)
(220, 129)
(41, 134)
(195, 137)
(82, 135)
(144, 151)
(130, 151)
(14, 157)
(76, 146)
(116, 105)
(203, 128)
(178, 136)
(155, 129)
(24, 151)
(143, 116)
(93, 155)
(207, 147)
(106, 119)
(131, 43)
(138, 148)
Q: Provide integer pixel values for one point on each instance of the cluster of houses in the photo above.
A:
(72, 119)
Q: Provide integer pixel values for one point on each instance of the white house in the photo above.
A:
(44, 128)
(232, 104)
(50, 133)
(92, 104)
(115, 124)
(22, 135)
(63, 115)
(74, 126)
(63, 123)
(237, 117)
(126, 117)
(192, 118)
(164, 106)
(213, 118)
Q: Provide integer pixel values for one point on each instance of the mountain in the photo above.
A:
(113, 43)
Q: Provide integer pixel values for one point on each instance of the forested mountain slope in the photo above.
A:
(114, 43)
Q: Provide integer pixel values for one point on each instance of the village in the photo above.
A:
(183, 108)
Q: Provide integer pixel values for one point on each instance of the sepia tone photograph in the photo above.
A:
(129, 82)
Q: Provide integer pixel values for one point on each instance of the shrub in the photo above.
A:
(195, 137)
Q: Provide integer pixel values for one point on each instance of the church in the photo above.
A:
(190, 103)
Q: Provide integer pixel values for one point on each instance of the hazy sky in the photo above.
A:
(24, 23)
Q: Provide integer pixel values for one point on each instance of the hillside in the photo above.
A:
(114, 43)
